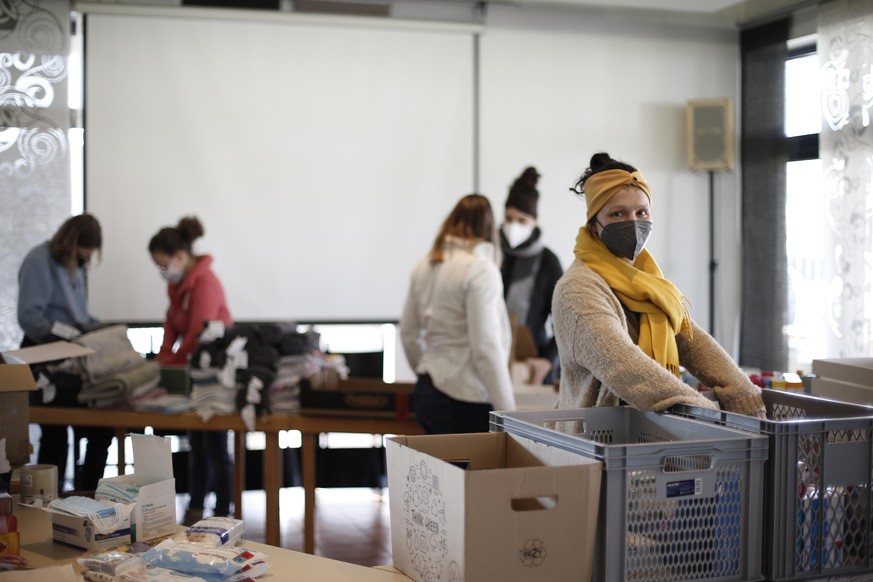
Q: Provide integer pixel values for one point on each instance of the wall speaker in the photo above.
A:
(709, 133)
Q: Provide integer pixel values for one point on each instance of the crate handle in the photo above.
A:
(534, 503)
(687, 463)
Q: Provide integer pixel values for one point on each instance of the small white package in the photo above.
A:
(216, 531)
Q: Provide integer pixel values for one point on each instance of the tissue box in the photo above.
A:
(79, 532)
(491, 506)
(16, 380)
(154, 512)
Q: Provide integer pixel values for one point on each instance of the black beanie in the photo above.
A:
(523, 193)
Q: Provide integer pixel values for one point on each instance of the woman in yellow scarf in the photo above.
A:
(622, 329)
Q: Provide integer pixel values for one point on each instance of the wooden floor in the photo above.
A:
(352, 525)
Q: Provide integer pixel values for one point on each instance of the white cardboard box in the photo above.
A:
(853, 370)
(491, 506)
(80, 532)
(154, 514)
(843, 391)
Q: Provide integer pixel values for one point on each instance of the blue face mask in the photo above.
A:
(626, 239)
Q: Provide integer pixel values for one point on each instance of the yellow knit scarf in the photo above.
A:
(642, 289)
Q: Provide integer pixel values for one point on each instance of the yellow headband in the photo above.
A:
(602, 186)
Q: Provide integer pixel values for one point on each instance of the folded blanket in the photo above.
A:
(121, 385)
(113, 352)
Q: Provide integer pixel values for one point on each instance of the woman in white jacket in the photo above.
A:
(455, 328)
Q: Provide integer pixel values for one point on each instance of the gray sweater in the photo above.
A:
(601, 365)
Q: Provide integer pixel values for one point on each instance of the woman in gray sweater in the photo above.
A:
(623, 329)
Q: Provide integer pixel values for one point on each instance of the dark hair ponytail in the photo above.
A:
(172, 239)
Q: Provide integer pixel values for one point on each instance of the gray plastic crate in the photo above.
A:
(679, 499)
(817, 510)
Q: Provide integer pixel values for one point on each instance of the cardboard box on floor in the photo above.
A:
(16, 381)
(491, 506)
(154, 512)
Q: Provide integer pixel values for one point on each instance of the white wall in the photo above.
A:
(560, 85)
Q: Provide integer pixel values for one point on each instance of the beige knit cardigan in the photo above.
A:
(601, 365)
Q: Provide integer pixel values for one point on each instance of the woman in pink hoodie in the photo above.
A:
(196, 297)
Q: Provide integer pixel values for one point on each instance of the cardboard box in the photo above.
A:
(16, 381)
(491, 506)
(80, 532)
(154, 512)
(842, 391)
(853, 370)
(325, 393)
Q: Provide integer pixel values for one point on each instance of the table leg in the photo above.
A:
(307, 462)
(272, 484)
(239, 471)
(120, 434)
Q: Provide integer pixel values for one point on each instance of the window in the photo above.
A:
(807, 243)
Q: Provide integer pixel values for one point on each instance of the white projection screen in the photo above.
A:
(320, 156)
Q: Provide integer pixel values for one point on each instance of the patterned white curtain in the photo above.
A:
(845, 48)
(34, 149)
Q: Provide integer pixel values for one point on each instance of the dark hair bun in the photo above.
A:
(599, 161)
(190, 228)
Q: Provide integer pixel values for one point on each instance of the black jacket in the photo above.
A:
(547, 276)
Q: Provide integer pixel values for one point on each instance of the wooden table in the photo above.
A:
(309, 426)
(36, 545)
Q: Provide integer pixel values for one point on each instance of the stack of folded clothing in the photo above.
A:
(293, 354)
(253, 369)
(213, 372)
(115, 373)
(285, 389)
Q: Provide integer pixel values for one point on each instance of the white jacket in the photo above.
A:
(455, 326)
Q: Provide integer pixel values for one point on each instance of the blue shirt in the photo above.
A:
(47, 293)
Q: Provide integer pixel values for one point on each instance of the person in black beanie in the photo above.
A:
(530, 272)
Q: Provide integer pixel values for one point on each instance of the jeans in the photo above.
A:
(209, 470)
(441, 414)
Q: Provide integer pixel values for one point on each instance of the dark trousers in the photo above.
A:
(209, 470)
(441, 414)
(54, 444)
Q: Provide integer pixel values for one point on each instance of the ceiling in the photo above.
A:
(725, 12)
(719, 13)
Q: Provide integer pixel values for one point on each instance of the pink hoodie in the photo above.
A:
(198, 298)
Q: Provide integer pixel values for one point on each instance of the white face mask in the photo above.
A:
(173, 274)
(516, 233)
(106, 518)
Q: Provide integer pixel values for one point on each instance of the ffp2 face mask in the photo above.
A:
(626, 239)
